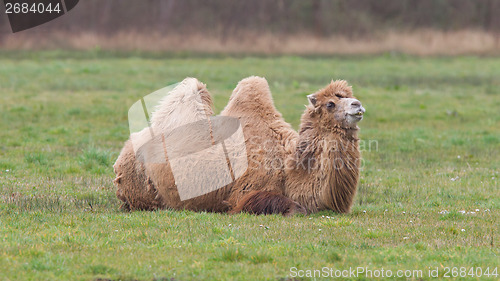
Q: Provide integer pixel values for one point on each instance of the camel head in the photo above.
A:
(335, 106)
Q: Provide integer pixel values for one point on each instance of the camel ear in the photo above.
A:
(312, 99)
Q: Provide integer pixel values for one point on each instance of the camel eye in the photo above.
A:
(330, 105)
(339, 96)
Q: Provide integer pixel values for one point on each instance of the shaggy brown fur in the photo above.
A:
(317, 168)
(328, 149)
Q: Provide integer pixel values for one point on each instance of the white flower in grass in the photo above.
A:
(477, 210)
(463, 230)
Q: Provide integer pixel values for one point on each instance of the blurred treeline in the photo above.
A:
(319, 17)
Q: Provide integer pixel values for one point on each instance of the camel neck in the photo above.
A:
(330, 161)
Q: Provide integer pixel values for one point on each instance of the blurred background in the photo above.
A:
(424, 27)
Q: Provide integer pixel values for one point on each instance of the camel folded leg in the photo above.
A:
(265, 202)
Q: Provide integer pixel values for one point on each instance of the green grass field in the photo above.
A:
(431, 143)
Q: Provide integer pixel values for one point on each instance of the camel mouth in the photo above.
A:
(358, 115)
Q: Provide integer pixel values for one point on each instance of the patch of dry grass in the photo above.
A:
(418, 42)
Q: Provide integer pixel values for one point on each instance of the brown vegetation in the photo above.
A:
(419, 27)
(419, 42)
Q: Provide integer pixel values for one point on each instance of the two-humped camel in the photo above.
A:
(288, 172)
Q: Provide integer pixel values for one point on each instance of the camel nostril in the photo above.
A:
(356, 103)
